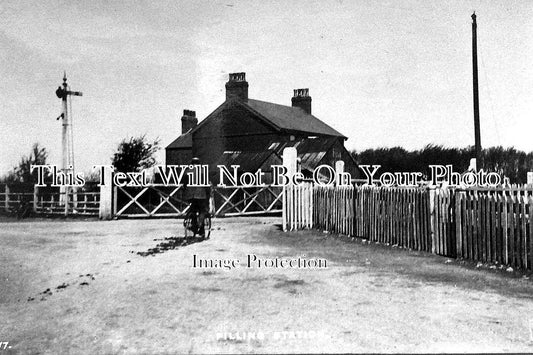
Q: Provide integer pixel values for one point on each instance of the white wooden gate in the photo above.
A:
(298, 206)
(162, 201)
(299, 199)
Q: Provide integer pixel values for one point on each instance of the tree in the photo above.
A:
(22, 173)
(507, 162)
(135, 154)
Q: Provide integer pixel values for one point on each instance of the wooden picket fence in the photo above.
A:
(486, 225)
(495, 226)
(334, 209)
(442, 221)
(386, 215)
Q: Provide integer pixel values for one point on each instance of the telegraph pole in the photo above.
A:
(476, 92)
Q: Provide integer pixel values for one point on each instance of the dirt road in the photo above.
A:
(80, 287)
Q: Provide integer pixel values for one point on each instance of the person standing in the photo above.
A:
(198, 197)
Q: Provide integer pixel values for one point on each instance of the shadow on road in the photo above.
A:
(170, 243)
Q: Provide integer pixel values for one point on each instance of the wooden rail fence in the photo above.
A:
(146, 202)
(50, 201)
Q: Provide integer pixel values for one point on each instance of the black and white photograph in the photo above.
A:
(266, 177)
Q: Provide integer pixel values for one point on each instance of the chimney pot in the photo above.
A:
(237, 86)
(302, 100)
(188, 121)
(189, 113)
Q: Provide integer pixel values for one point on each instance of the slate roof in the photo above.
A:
(291, 118)
(183, 141)
(310, 151)
(285, 118)
(248, 161)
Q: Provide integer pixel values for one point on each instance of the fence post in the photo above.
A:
(339, 169)
(458, 223)
(74, 190)
(106, 196)
(309, 192)
(212, 207)
(7, 198)
(289, 161)
(432, 217)
(67, 189)
(35, 197)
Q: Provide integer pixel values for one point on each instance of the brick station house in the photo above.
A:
(253, 133)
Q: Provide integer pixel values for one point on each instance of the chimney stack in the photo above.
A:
(237, 86)
(188, 121)
(302, 100)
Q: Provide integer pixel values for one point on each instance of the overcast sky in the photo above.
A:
(383, 73)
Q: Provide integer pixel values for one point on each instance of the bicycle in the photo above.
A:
(193, 228)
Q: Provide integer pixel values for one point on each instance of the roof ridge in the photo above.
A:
(287, 106)
(298, 122)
